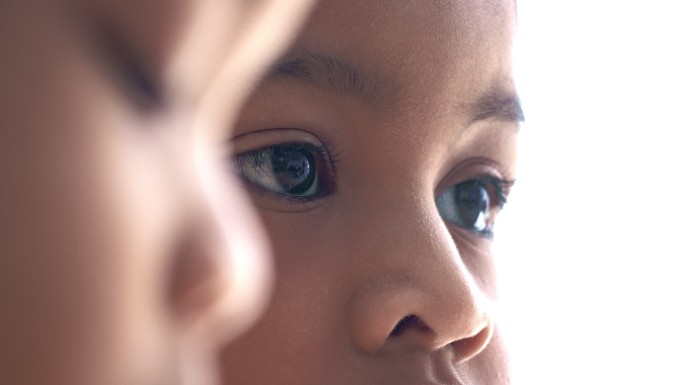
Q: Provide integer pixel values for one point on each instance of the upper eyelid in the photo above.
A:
(272, 137)
(263, 139)
(260, 150)
(474, 168)
(330, 148)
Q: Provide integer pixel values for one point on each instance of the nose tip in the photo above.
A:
(464, 325)
(400, 316)
(464, 347)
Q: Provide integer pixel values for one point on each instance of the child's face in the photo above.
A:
(117, 263)
(379, 152)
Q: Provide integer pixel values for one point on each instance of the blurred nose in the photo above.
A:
(417, 293)
(222, 274)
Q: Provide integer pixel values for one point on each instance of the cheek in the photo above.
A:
(480, 262)
(82, 255)
(305, 319)
(310, 262)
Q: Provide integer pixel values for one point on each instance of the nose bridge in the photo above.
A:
(414, 277)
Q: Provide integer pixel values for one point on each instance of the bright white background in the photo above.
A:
(592, 244)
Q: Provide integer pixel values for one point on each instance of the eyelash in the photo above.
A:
(497, 191)
(501, 189)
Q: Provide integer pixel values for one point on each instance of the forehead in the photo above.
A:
(394, 28)
(418, 60)
(453, 48)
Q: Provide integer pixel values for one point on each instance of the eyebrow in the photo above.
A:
(343, 78)
(331, 74)
(497, 104)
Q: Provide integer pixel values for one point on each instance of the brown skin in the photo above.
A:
(127, 254)
(352, 264)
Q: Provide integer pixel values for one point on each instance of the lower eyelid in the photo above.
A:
(472, 239)
(270, 201)
(266, 138)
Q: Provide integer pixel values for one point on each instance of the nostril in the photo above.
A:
(409, 322)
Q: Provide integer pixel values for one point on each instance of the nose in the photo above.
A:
(221, 274)
(416, 292)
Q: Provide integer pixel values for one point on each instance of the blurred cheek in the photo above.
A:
(91, 212)
(76, 249)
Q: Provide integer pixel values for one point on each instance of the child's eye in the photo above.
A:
(473, 204)
(293, 170)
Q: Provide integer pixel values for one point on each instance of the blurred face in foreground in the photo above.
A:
(127, 255)
(379, 152)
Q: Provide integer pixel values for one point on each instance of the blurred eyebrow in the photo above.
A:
(499, 105)
(331, 74)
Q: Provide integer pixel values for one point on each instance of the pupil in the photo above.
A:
(473, 204)
(293, 169)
